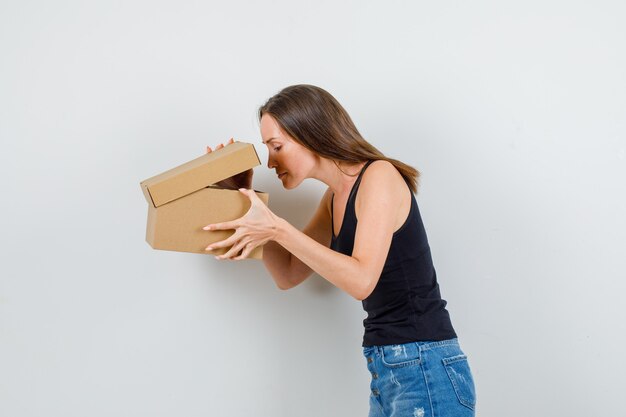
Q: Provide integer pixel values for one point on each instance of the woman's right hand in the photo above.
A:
(237, 181)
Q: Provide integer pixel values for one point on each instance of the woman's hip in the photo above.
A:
(424, 379)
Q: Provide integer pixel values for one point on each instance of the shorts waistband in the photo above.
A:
(422, 346)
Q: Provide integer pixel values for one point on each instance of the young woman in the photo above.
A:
(366, 238)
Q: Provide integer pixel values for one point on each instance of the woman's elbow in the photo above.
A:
(283, 286)
(364, 291)
(283, 283)
(286, 283)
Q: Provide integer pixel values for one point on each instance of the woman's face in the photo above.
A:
(291, 160)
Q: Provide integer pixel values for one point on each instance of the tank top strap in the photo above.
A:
(358, 180)
(355, 185)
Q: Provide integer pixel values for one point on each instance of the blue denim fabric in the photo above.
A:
(420, 379)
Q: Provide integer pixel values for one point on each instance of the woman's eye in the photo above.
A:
(277, 148)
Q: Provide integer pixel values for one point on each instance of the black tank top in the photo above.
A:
(406, 305)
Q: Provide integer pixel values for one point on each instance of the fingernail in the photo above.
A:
(206, 227)
(209, 248)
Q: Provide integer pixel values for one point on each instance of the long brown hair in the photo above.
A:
(316, 120)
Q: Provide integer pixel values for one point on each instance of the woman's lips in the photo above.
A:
(282, 175)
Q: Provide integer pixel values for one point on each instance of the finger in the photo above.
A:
(231, 140)
(246, 251)
(250, 194)
(229, 254)
(222, 226)
(220, 146)
(241, 247)
(208, 149)
(234, 250)
(223, 243)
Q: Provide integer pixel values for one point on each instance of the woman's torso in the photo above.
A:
(339, 204)
(406, 305)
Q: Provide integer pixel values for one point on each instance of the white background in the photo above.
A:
(513, 111)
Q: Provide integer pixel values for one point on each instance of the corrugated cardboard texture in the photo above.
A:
(199, 173)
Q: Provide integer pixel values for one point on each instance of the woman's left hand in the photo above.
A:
(257, 227)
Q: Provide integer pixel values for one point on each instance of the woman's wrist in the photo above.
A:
(281, 227)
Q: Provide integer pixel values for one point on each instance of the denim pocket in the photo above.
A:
(461, 378)
(396, 356)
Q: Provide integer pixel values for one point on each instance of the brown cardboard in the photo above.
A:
(184, 199)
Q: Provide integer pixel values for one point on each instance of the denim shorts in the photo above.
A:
(420, 379)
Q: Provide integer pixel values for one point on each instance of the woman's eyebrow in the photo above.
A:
(268, 141)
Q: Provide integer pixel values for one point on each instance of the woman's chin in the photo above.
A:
(287, 185)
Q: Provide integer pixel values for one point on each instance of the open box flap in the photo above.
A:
(199, 173)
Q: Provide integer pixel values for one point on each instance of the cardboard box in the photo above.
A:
(182, 200)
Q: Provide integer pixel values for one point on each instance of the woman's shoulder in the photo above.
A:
(382, 172)
(381, 178)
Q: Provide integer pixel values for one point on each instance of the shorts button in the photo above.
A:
(375, 375)
(370, 360)
(375, 392)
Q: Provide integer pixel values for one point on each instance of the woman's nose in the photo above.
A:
(270, 163)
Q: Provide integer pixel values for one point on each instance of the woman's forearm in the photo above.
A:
(277, 260)
(345, 272)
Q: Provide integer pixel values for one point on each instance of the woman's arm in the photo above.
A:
(345, 272)
(287, 270)
(277, 260)
(377, 207)
(377, 214)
